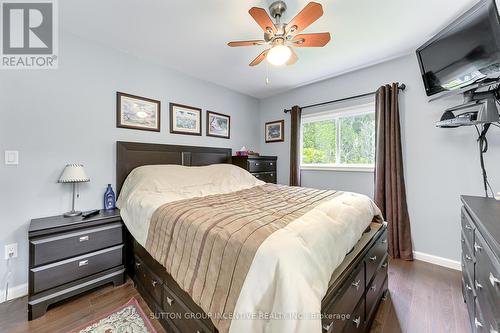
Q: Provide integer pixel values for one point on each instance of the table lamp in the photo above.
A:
(74, 174)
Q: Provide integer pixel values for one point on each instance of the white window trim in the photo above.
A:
(334, 115)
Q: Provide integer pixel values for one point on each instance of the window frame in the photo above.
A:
(336, 114)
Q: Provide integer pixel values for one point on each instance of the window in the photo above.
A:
(339, 139)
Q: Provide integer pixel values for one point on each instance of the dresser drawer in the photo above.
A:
(356, 322)
(375, 257)
(468, 259)
(61, 272)
(268, 177)
(151, 282)
(487, 278)
(70, 244)
(180, 316)
(468, 293)
(374, 291)
(467, 226)
(261, 165)
(336, 314)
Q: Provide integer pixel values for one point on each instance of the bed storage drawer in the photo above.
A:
(336, 315)
(55, 274)
(375, 257)
(373, 293)
(179, 315)
(151, 282)
(69, 244)
(261, 165)
(356, 322)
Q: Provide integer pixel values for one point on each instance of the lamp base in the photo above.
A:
(72, 213)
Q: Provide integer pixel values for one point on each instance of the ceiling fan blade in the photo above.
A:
(293, 58)
(305, 18)
(246, 43)
(262, 18)
(311, 40)
(259, 58)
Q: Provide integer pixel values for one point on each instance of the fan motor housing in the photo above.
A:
(277, 9)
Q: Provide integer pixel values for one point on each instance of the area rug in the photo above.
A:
(128, 318)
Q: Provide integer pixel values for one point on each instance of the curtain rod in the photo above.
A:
(401, 87)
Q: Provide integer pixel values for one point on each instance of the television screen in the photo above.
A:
(465, 52)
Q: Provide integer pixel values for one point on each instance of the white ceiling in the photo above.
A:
(191, 36)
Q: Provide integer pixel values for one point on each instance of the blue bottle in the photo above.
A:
(109, 198)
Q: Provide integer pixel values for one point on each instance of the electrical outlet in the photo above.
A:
(11, 251)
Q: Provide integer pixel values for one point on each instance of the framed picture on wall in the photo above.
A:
(275, 131)
(137, 112)
(185, 119)
(218, 125)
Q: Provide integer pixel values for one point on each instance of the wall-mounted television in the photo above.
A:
(465, 52)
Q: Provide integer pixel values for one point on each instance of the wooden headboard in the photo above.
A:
(130, 155)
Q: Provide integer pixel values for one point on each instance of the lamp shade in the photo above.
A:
(74, 173)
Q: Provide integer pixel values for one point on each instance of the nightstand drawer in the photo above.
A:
(268, 177)
(58, 273)
(261, 165)
(69, 244)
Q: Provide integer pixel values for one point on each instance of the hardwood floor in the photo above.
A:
(423, 298)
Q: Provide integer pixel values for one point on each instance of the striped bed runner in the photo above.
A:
(207, 244)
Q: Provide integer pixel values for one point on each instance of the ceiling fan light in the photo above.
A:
(279, 55)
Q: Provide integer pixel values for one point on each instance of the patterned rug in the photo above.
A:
(128, 318)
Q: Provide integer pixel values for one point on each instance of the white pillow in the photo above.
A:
(186, 182)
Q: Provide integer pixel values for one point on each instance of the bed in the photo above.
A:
(269, 293)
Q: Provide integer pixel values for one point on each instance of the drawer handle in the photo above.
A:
(373, 287)
(468, 257)
(272, 175)
(356, 284)
(463, 239)
(468, 227)
(373, 258)
(478, 285)
(477, 323)
(257, 164)
(384, 241)
(493, 280)
(357, 321)
(257, 176)
(137, 264)
(83, 263)
(469, 288)
(326, 327)
(384, 265)
(271, 163)
(154, 283)
(477, 247)
(84, 238)
(170, 301)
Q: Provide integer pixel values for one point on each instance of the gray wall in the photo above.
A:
(68, 115)
(440, 164)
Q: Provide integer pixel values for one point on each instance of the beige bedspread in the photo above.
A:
(208, 243)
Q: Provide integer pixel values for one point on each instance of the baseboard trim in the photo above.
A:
(14, 292)
(440, 261)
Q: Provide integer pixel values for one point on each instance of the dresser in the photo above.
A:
(71, 255)
(262, 167)
(481, 262)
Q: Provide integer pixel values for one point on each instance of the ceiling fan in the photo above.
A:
(283, 37)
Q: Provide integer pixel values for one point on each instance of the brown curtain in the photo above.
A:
(295, 146)
(390, 192)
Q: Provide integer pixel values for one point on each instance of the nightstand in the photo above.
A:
(262, 167)
(71, 255)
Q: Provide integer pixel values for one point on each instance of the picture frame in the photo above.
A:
(218, 125)
(275, 131)
(136, 112)
(185, 119)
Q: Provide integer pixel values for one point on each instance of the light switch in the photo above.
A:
(11, 157)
